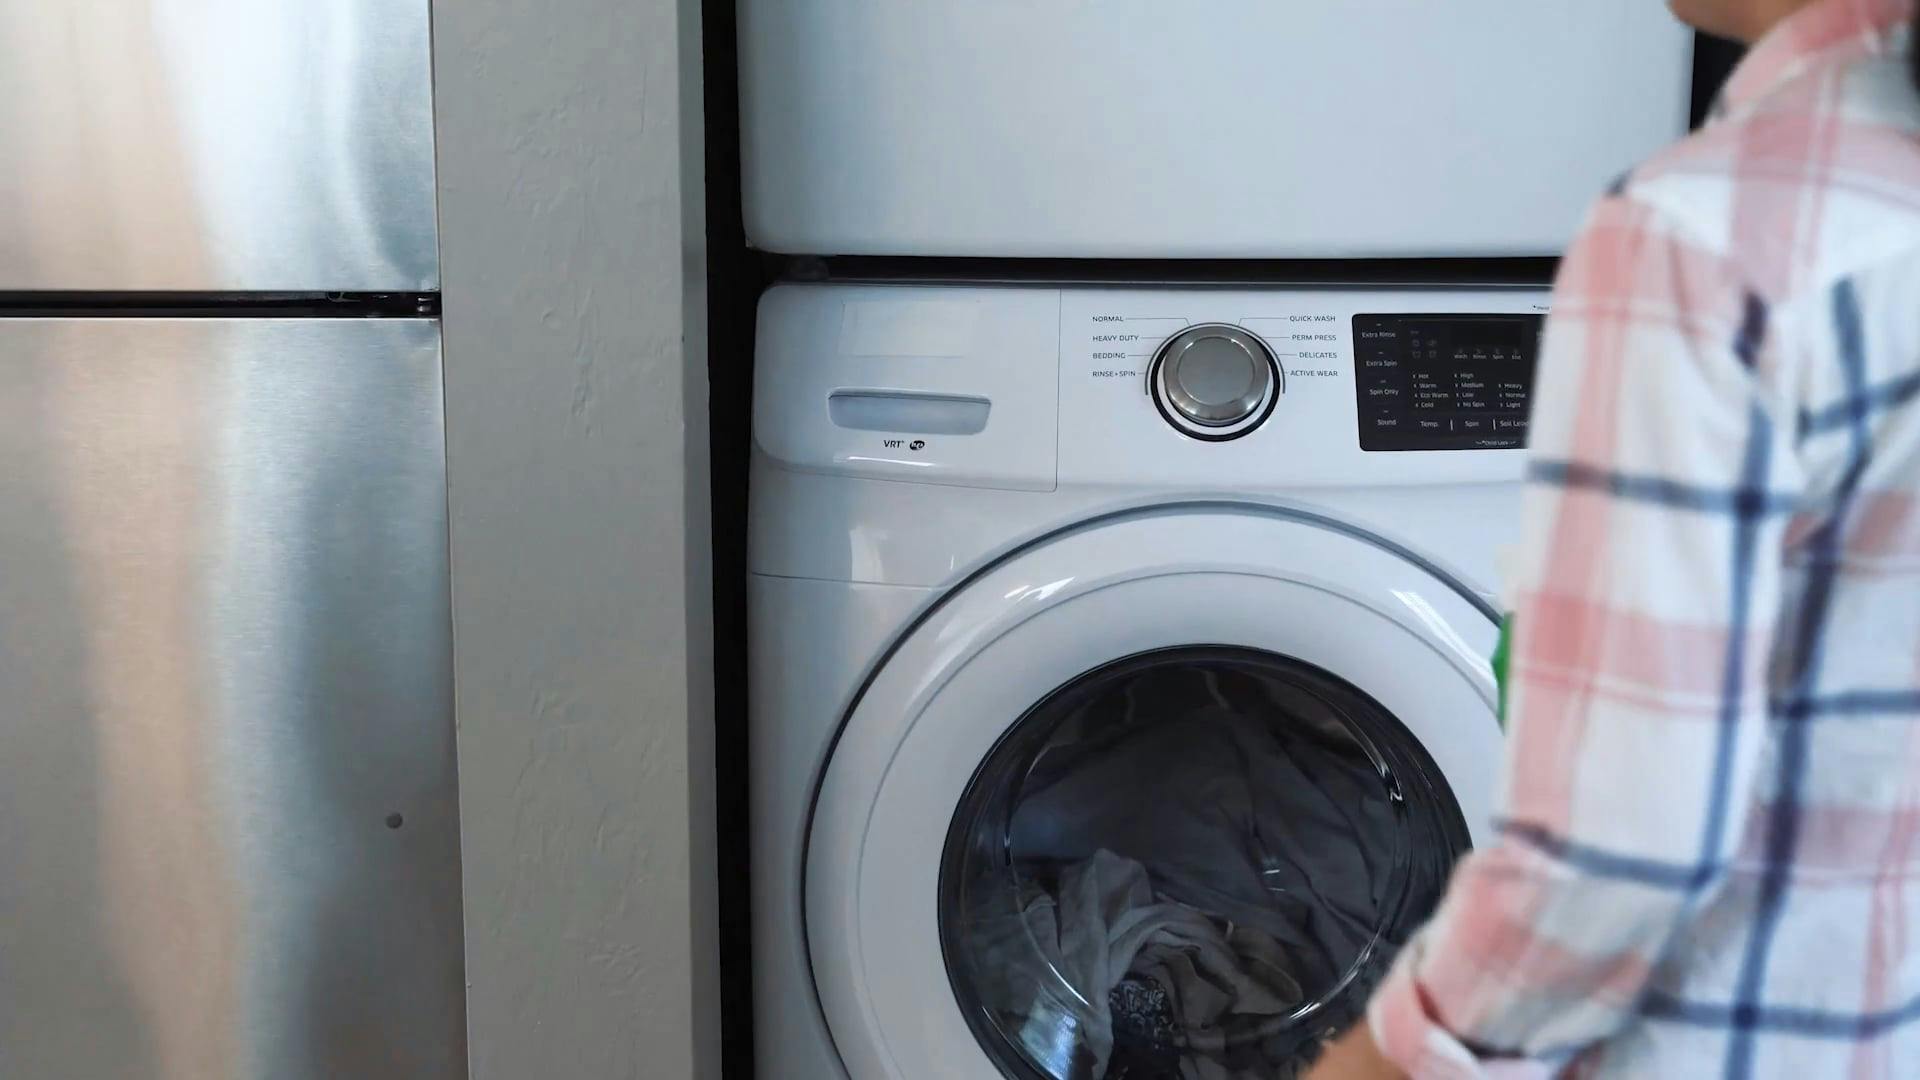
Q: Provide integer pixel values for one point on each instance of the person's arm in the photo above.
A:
(1647, 590)
(1354, 1056)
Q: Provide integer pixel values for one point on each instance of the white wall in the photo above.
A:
(571, 222)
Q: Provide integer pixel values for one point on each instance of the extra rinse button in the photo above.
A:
(1215, 381)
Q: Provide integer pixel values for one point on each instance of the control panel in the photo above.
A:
(1210, 388)
(1445, 382)
(1194, 389)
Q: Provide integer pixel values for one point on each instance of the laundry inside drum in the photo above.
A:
(1195, 864)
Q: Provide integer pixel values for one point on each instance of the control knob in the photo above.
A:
(1215, 382)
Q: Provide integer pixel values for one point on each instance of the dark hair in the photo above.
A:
(1913, 56)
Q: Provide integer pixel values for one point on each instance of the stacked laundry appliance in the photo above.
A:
(1127, 480)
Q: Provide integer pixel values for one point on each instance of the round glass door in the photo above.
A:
(1149, 799)
(1195, 862)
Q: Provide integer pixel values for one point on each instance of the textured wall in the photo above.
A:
(571, 210)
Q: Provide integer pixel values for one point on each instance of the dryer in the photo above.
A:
(1224, 129)
(1120, 692)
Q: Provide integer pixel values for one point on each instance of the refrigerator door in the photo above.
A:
(228, 820)
(1226, 129)
(216, 145)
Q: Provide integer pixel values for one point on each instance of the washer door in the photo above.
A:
(1157, 797)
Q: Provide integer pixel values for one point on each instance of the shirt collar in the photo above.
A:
(1825, 31)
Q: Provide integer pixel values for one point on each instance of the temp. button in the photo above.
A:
(1215, 382)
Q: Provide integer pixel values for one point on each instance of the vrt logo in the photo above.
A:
(917, 445)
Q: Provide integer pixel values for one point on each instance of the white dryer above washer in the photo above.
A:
(1222, 129)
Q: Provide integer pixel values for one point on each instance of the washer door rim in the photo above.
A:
(1436, 609)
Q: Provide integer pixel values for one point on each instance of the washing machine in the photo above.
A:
(1223, 129)
(1121, 693)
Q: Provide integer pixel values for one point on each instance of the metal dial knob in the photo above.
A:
(1215, 381)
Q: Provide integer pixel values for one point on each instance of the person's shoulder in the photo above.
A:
(1812, 182)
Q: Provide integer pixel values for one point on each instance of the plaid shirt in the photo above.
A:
(1708, 856)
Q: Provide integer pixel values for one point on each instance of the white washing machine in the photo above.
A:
(1121, 692)
(1217, 129)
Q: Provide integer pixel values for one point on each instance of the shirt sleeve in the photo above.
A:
(1646, 591)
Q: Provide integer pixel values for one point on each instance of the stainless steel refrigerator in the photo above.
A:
(228, 822)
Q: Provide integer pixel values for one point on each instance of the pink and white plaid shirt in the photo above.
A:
(1708, 860)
